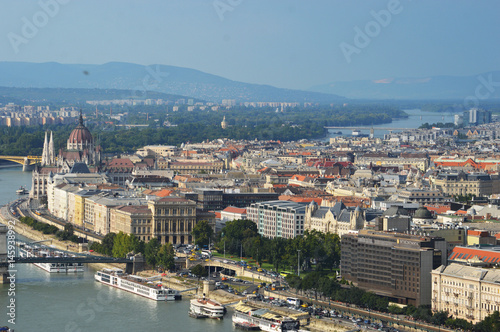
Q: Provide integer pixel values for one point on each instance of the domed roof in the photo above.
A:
(80, 134)
(423, 213)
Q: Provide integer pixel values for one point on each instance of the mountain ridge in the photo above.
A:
(139, 79)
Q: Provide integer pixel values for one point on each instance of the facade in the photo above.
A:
(420, 163)
(278, 218)
(395, 265)
(242, 200)
(421, 196)
(98, 207)
(209, 199)
(132, 219)
(466, 292)
(173, 219)
(337, 219)
(461, 183)
(193, 167)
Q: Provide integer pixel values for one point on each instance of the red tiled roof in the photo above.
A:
(472, 232)
(467, 253)
(121, 162)
(232, 209)
(163, 193)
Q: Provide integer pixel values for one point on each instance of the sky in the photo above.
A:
(285, 43)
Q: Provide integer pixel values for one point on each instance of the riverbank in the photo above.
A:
(28, 232)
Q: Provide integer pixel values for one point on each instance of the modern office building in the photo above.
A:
(395, 265)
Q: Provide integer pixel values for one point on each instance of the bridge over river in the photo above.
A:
(27, 161)
(53, 255)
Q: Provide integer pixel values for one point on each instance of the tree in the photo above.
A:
(166, 256)
(69, 229)
(439, 318)
(151, 252)
(107, 244)
(199, 271)
(136, 245)
(202, 233)
(489, 323)
(235, 232)
(122, 245)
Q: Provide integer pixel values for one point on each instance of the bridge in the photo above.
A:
(368, 128)
(9, 258)
(28, 162)
(66, 259)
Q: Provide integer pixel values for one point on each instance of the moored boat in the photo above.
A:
(206, 308)
(21, 191)
(248, 317)
(147, 287)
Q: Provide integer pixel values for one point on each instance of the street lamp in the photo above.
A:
(298, 262)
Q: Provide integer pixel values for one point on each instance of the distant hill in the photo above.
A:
(138, 79)
(433, 87)
(70, 95)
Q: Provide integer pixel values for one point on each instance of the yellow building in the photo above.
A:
(79, 211)
(132, 219)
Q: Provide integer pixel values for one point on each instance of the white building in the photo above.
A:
(278, 218)
(466, 292)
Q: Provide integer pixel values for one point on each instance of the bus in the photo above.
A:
(206, 253)
(284, 274)
(294, 301)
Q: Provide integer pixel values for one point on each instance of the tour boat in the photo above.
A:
(21, 191)
(203, 308)
(248, 317)
(27, 251)
(147, 287)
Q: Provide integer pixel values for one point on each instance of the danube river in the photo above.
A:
(416, 117)
(75, 302)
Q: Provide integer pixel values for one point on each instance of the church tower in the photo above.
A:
(52, 153)
(45, 152)
(223, 124)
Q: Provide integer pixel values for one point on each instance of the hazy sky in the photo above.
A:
(285, 43)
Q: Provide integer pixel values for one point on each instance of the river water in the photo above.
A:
(416, 117)
(75, 302)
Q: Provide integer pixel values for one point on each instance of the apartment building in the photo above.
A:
(466, 292)
(278, 218)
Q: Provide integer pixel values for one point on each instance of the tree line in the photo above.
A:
(244, 123)
(120, 244)
(64, 235)
(313, 250)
